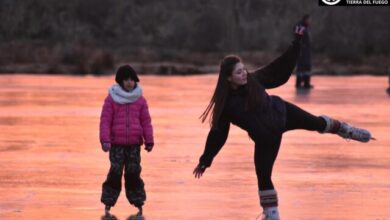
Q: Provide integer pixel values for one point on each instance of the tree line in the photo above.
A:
(102, 33)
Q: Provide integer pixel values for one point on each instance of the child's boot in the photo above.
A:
(139, 211)
(107, 210)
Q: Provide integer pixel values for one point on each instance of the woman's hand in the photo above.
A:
(199, 170)
(299, 29)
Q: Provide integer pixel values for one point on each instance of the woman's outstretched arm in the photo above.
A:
(279, 71)
(215, 141)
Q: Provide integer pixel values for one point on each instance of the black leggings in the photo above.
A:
(297, 118)
(266, 150)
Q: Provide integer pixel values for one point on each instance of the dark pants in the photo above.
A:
(129, 158)
(266, 150)
(303, 77)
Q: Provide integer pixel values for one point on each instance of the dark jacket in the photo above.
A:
(304, 59)
(269, 116)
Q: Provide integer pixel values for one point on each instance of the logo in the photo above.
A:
(331, 2)
(354, 2)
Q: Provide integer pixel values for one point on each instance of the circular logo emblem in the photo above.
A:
(331, 2)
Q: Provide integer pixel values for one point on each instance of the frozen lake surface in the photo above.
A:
(52, 166)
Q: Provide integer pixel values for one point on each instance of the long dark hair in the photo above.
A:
(221, 92)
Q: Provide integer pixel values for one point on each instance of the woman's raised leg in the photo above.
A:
(297, 118)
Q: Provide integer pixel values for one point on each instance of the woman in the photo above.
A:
(240, 98)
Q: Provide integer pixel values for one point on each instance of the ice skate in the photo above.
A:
(108, 215)
(346, 131)
(270, 214)
(358, 134)
(138, 216)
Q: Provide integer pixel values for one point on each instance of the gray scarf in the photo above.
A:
(121, 96)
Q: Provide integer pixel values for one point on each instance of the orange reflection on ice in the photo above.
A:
(52, 166)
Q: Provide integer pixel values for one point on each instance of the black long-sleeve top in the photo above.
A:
(304, 58)
(268, 119)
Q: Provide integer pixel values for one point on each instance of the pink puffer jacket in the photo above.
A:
(126, 124)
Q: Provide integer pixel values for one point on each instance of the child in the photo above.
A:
(125, 124)
(241, 99)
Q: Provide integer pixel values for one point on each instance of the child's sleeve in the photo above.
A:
(106, 118)
(146, 123)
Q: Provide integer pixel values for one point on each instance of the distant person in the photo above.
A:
(304, 59)
(388, 74)
(125, 124)
(240, 98)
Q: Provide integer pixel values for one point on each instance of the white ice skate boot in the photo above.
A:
(271, 214)
(346, 131)
(358, 134)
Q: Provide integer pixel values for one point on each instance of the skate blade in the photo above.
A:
(136, 217)
(109, 217)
